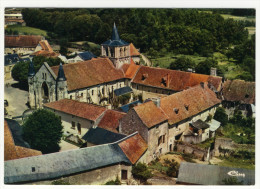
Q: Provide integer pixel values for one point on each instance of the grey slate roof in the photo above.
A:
(16, 131)
(126, 107)
(115, 39)
(63, 163)
(61, 74)
(122, 91)
(101, 136)
(194, 173)
(199, 124)
(87, 55)
(11, 59)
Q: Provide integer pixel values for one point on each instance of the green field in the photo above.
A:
(166, 60)
(249, 18)
(26, 30)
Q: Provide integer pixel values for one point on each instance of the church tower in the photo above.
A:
(32, 94)
(61, 84)
(116, 49)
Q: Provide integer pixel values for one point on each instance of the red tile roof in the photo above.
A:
(88, 73)
(133, 50)
(240, 91)
(188, 103)
(174, 80)
(150, 114)
(133, 147)
(15, 152)
(76, 108)
(26, 41)
(46, 51)
(131, 71)
(110, 120)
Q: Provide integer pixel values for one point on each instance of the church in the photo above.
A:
(95, 80)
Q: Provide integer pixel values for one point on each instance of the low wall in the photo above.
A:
(199, 153)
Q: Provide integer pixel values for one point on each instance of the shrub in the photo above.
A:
(173, 168)
(114, 182)
(141, 172)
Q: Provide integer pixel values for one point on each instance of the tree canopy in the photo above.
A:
(182, 63)
(221, 116)
(185, 31)
(43, 131)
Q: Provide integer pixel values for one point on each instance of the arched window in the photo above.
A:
(121, 52)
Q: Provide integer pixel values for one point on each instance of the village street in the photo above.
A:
(16, 98)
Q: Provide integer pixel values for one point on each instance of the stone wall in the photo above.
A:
(199, 153)
(94, 177)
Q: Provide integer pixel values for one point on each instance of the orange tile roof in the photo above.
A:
(133, 50)
(46, 53)
(76, 108)
(133, 147)
(45, 45)
(150, 114)
(131, 71)
(195, 99)
(88, 73)
(15, 152)
(240, 91)
(110, 120)
(29, 41)
(174, 80)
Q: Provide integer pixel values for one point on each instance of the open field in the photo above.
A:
(27, 30)
(249, 18)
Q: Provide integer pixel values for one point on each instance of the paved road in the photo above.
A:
(16, 97)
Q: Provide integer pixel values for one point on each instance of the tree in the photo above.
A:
(43, 131)
(204, 66)
(140, 171)
(182, 63)
(221, 116)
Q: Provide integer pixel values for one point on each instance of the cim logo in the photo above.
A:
(236, 174)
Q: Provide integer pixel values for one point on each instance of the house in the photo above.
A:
(14, 19)
(163, 121)
(238, 95)
(201, 174)
(14, 145)
(10, 61)
(82, 56)
(78, 117)
(44, 49)
(91, 165)
(90, 81)
(153, 82)
(21, 44)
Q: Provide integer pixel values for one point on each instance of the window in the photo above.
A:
(103, 90)
(159, 140)
(70, 96)
(92, 92)
(42, 75)
(33, 169)
(45, 76)
(163, 139)
(81, 94)
(73, 125)
(160, 150)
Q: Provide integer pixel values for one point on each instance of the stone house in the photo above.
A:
(158, 82)
(238, 95)
(90, 81)
(91, 165)
(21, 44)
(164, 121)
(78, 117)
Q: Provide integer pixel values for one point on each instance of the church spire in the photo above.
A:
(115, 35)
(31, 71)
(61, 74)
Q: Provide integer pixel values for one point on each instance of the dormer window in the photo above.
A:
(164, 81)
(186, 107)
(246, 96)
(144, 76)
(176, 110)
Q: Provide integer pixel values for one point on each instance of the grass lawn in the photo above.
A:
(249, 18)
(238, 163)
(27, 30)
(166, 60)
